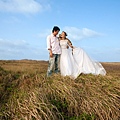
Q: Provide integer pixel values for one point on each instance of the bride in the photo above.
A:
(76, 61)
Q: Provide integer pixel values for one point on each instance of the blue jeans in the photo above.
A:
(54, 64)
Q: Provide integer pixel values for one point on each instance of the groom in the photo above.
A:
(53, 46)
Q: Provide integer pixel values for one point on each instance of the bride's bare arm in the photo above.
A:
(70, 43)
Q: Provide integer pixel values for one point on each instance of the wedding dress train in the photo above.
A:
(74, 63)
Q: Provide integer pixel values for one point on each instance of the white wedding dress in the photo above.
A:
(73, 64)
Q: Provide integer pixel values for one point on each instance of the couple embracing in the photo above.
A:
(69, 62)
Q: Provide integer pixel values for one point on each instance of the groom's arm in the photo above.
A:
(49, 46)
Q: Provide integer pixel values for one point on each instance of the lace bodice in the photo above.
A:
(63, 44)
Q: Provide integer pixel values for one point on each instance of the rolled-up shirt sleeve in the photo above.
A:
(48, 43)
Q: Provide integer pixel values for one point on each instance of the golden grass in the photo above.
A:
(26, 93)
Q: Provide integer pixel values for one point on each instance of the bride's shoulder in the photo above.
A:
(68, 40)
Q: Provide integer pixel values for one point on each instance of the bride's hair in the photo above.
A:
(67, 38)
(65, 33)
(60, 35)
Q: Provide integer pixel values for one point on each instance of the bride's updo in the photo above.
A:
(65, 33)
(60, 37)
(67, 38)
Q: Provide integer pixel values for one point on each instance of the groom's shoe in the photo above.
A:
(49, 73)
(57, 71)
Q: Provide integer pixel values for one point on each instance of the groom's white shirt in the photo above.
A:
(53, 44)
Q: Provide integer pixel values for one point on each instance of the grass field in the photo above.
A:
(26, 93)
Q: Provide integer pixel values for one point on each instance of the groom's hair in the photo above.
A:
(55, 28)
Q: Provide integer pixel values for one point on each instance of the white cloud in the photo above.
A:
(20, 49)
(22, 6)
(78, 34)
(13, 44)
(44, 33)
(74, 33)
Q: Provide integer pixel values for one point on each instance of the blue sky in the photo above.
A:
(93, 25)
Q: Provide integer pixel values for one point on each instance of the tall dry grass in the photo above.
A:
(27, 94)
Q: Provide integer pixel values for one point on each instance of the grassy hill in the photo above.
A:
(26, 93)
